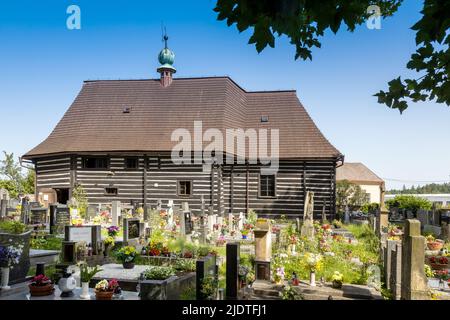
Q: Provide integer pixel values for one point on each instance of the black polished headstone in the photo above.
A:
(232, 271)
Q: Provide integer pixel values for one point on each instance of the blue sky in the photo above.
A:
(43, 65)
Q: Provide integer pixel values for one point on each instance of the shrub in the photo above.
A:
(158, 273)
(10, 226)
(409, 203)
(185, 265)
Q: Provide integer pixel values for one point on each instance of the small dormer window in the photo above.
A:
(264, 119)
(126, 109)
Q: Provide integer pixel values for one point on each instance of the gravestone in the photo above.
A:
(3, 207)
(4, 194)
(382, 220)
(414, 280)
(91, 235)
(131, 229)
(115, 213)
(24, 211)
(433, 229)
(52, 217)
(231, 222)
(297, 224)
(263, 249)
(232, 271)
(423, 217)
(241, 220)
(395, 280)
(62, 218)
(38, 215)
(436, 214)
(391, 245)
(205, 267)
(92, 211)
(324, 216)
(347, 215)
(445, 232)
(307, 229)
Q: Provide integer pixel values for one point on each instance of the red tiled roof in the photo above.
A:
(358, 173)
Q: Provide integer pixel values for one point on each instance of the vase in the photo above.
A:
(5, 278)
(336, 284)
(85, 291)
(128, 265)
(106, 251)
(312, 279)
(244, 236)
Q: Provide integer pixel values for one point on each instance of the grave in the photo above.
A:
(205, 267)
(115, 213)
(38, 215)
(414, 281)
(232, 271)
(263, 249)
(62, 218)
(395, 280)
(307, 229)
(132, 230)
(90, 234)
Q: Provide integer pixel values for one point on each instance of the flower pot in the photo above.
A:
(128, 265)
(336, 284)
(244, 236)
(312, 279)
(435, 245)
(103, 295)
(5, 278)
(85, 291)
(40, 291)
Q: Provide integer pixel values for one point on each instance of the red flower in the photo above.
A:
(443, 260)
(433, 259)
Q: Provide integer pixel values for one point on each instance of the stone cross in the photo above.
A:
(324, 216)
(347, 215)
(414, 280)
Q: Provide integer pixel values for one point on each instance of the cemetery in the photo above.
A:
(174, 254)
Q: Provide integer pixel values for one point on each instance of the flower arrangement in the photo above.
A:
(428, 271)
(105, 289)
(109, 241)
(279, 274)
(220, 241)
(77, 222)
(87, 273)
(293, 239)
(158, 273)
(441, 274)
(127, 254)
(41, 286)
(337, 278)
(40, 281)
(313, 262)
(113, 231)
(9, 256)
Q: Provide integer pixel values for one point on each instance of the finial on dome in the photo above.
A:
(166, 58)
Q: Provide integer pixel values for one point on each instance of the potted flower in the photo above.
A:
(104, 289)
(41, 286)
(86, 275)
(9, 256)
(337, 279)
(127, 255)
(279, 275)
(113, 231)
(109, 243)
(245, 233)
(434, 244)
(313, 263)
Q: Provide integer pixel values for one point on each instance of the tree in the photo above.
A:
(431, 59)
(305, 21)
(409, 203)
(349, 194)
(15, 182)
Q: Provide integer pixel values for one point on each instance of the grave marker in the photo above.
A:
(263, 249)
(414, 281)
(38, 216)
(131, 229)
(307, 229)
(115, 213)
(232, 270)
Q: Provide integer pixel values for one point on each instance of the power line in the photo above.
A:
(417, 181)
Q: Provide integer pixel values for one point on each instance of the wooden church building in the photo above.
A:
(115, 141)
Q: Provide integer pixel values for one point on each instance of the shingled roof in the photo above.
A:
(95, 122)
(357, 172)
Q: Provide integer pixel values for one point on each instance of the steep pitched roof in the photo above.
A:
(95, 122)
(358, 173)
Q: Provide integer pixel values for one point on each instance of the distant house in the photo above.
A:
(115, 141)
(362, 176)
